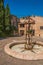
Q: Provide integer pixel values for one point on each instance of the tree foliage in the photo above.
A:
(5, 21)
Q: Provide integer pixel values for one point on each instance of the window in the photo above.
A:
(41, 27)
(21, 25)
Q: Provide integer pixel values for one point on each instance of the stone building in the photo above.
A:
(37, 27)
(24, 24)
(14, 21)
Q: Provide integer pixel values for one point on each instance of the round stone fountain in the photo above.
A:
(16, 49)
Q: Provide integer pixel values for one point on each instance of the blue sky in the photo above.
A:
(22, 8)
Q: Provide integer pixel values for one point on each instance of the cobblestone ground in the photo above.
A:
(5, 59)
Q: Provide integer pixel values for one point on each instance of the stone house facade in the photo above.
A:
(37, 27)
(24, 24)
(14, 21)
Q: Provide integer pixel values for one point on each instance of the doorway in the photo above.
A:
(21, 32)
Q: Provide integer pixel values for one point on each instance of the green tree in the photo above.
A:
(2, 15)
(5, 19)
(9, 28)
(7, 15)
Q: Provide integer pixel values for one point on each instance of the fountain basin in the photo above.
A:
(16, 49)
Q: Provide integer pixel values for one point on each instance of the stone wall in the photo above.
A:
(38, 23)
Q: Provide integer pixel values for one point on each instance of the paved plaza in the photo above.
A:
(5, 59)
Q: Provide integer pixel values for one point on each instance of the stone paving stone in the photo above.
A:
(8, 60)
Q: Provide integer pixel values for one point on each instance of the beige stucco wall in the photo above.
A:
(36, 26)
(38, 23)
(20, 28)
